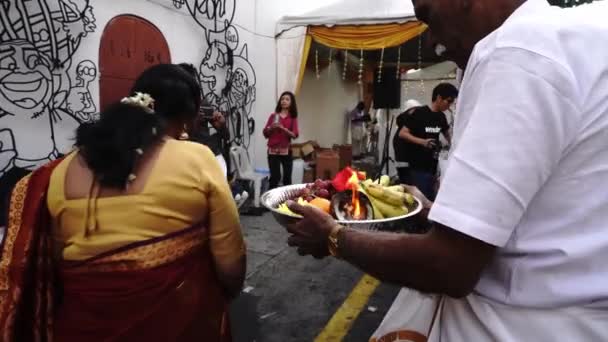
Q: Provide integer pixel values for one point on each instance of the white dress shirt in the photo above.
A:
(529, 167)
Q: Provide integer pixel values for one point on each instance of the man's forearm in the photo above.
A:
(448, 137)
(411, 138)
(391, 257)
(423, 262)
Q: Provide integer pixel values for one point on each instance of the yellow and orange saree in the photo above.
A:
(163, 289)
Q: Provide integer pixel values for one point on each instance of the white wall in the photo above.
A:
(38, 119)
(267, 14)
(323, 104)
(30, 137)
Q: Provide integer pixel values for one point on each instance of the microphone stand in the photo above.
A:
(386, 158)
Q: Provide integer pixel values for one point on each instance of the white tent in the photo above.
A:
(436, 72)
(353, 12)
(294, 33)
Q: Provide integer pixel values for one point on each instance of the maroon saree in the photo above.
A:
(163, 289)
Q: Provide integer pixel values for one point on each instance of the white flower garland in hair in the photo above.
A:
(142, 100)
(146, 102)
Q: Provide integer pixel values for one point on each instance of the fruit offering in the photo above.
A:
(350, 196)
(319, 188)
(321, 203)
(387, 201)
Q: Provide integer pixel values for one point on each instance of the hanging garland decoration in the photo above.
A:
(407, 87)
(422, 89)
(317, 64)
(380, 66)
(360, 82)
(331, 57)
(398, 73)
(345, 65)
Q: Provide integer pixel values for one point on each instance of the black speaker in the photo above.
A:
(387, 92)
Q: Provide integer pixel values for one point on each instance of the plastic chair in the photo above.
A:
(244, 171)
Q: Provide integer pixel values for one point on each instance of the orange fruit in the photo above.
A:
(321, 203)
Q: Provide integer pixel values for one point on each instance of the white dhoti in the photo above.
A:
(359, 139)
(478, 319)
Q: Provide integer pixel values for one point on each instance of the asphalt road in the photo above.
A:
(292, 298)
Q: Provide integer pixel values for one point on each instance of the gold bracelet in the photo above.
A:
(332, 241)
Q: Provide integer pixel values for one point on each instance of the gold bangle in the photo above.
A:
(332, 241)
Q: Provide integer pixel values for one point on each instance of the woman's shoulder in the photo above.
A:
(190, 148)
(60, 166)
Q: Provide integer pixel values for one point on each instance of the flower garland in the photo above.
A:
(317, 64)
(381, 66)
(398, 73)
(331, 51)
(360, 82)
(345, 65)
(422, 88)
(142, 100)
(145, 102)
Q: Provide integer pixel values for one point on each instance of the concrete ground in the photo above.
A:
(291, 298)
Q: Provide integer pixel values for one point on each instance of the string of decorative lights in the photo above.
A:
(380, 66)
(422, 88)
(361, 69)
(406, 86)
(317, 64)
(345, 65)
(360, 81)
(331, 57)
(398, 72)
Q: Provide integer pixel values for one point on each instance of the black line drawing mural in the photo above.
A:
(227, 77)
(212, 15)
(43, 96)
(79, 102)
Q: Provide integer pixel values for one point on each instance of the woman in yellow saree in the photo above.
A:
(134, 236)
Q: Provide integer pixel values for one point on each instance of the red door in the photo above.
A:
(129, 45)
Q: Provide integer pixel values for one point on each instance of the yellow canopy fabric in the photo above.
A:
(366, 37)
(307, 44)
(359, 37)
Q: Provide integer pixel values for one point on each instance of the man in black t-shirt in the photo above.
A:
(418, 138)
(401, 146)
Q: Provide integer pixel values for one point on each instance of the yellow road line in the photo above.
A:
(343, 319)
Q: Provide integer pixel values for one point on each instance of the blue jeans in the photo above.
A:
(425, 182)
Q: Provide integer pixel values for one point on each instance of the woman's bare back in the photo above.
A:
(79, 177)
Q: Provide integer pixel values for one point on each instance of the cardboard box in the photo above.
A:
(308, 148)
(296, 151)
(309, 175)
(328, 164)
(346, 155)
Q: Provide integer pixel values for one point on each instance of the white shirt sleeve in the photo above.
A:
(522, 119)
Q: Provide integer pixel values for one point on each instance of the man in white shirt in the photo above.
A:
(520, 222)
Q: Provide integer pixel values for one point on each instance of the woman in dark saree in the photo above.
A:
(134, 236)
